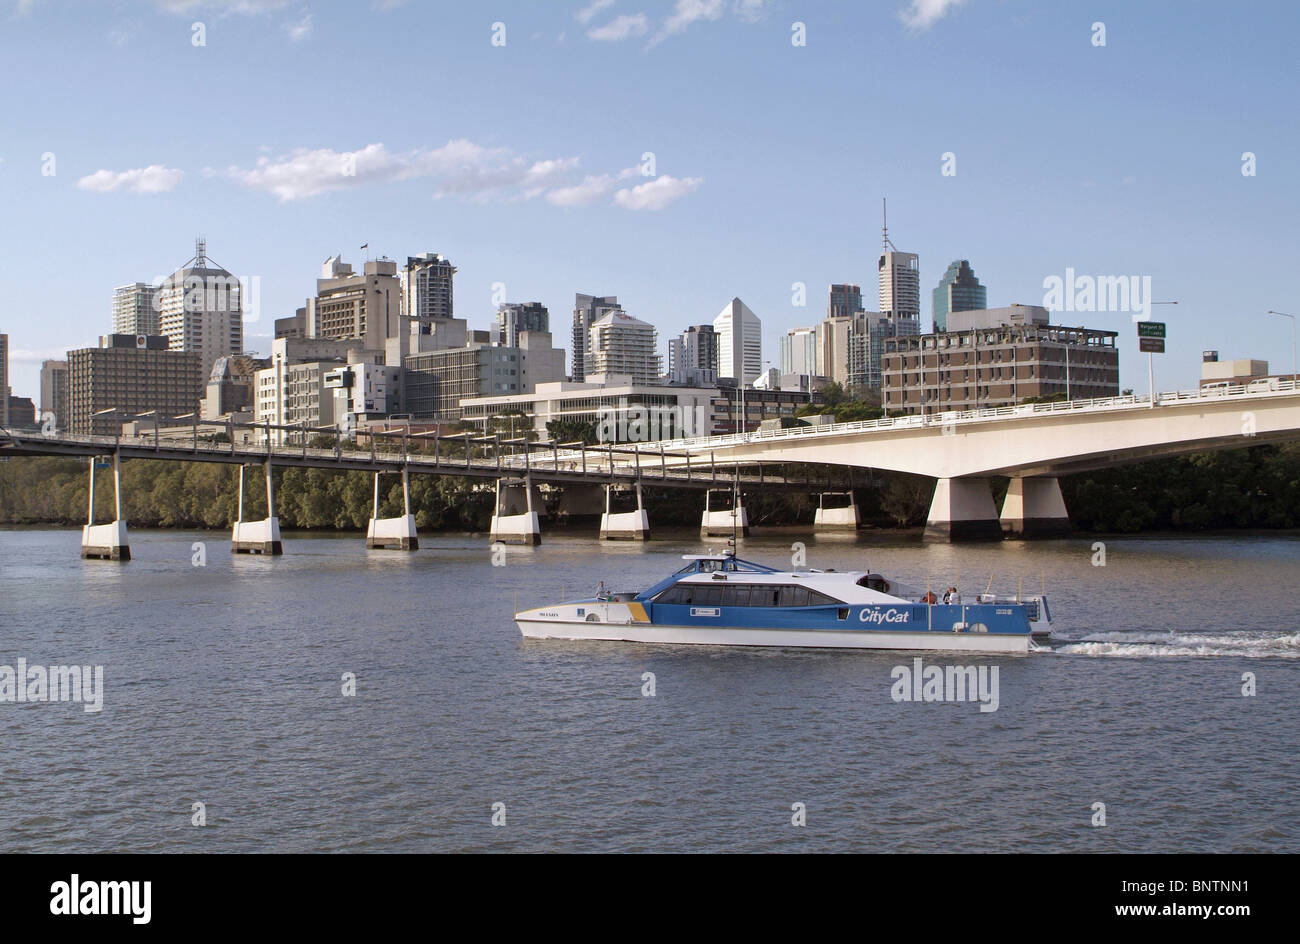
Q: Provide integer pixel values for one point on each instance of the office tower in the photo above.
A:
(958, 290)
(54, 392)
(587, 310)
(200, 309)
(347, 305)
(512, 318)
(900, 285)
(131, 374)
(844, 301)
(693, 357)
(833, 348)
(623, 345)
(740, 343)
(799, 352)
(427, 293)
(867, 333)
(134, 309)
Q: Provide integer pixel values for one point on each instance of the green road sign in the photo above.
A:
(1151, 329)
(1151, 345)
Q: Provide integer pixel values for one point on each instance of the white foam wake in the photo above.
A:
(1250, 645)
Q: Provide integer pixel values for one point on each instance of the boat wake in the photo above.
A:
(1250, 645)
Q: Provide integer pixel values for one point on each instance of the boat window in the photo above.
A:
(817, 598)
(874, 582)
(736, 596)
(794, 596)
(711, 596)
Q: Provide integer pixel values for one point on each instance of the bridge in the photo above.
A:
(1032, 444)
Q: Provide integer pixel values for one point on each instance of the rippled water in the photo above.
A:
(223, 686)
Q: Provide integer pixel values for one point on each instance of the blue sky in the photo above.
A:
(521, 162)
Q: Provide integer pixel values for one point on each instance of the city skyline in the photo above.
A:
(1073, 170)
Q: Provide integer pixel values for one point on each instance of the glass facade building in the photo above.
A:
(958, 290)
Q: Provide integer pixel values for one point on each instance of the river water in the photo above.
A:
(224, 676)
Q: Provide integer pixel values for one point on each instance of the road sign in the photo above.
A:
(1151, 345)
(1151, 329)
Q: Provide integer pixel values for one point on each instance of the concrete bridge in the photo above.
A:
(1031, 444)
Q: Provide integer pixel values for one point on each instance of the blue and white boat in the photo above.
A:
(721, 600)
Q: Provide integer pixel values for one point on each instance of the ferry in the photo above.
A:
(721, 600)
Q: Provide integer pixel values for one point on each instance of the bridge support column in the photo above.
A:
(1034, 508)
(395, 533)
(625, 525)
(836, 519)
(106, 541)
(962, 510)
(581, 501)
(724, 522)
(257, 537)
(510, 523)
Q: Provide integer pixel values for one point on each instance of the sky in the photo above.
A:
(675, 153)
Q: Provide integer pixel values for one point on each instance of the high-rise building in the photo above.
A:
(799, 352)
(693, 357)
(867, 333)
(427, 294)
(437, 381)
(833, 348)
(348, 305)
(4, 380)
(200, 308)
(899, 277)
(512, 318)
(958, 290)
(740, 343)
(587, 310)
(131, 374)
(844, 301)
(621, 344)
(135, 310)
(54, 392)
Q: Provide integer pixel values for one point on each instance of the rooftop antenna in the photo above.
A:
(200, 252)
(884, 226)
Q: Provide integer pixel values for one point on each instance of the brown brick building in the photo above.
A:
(997, 366)
(134, 374)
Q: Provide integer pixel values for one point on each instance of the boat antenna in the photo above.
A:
(735, 509)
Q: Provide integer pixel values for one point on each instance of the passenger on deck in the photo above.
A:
(929, 597)
(950, 595)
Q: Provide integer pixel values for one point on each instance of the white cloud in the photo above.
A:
(687, 12)
(460, 167)
(152, 179)
(25, 356)
(751, 11)
(298, 30)
(656, 194)
(122, 33)
(222, 7)
(619, 28)
(922, 14)
(587, 12)
(23, 8)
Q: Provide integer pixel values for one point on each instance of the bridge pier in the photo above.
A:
(962, 510)
(626, 525)
(106, 541)
(510, 525)
(726, 521)
(395, 533)
(257, 537)
(1034, 508)
(836, 519)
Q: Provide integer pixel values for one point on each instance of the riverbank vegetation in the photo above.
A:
(1256, 488)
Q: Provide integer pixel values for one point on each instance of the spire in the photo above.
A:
(200, 252)
(884, 227)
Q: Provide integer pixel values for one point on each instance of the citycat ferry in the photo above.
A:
(720, 600)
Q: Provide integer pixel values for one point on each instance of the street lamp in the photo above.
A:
(1293, 363)
(1151, 369)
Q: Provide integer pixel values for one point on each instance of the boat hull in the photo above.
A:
(780, 637)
